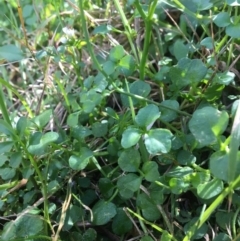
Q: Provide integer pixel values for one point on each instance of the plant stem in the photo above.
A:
(147, 38)
(211, 209)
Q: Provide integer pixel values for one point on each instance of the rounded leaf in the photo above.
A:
(210, 189)
(128, 184)
(207, 124)
(116, 53)
(158, 141)
(232, 30)
(222, 19)
(130, 137)
(129, 160)
(121, 223)
(219, 165)
(150, 170)
(200, 232)
(80, 161)
(147, 115)
(167, 114)
(103, 212)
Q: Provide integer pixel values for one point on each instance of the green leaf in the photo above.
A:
(121, 223)
(7, 173)
(224, 219)
(148, 208)
(22, 125)
(233, 2)
(102, 29)
(178, 185)
(158, 141)
(74, 213)
(81, 132)
(146, 238)
(138, 87)
(219, 165)
(90, 100)
(203, 4)
(116, 53)
(73, 119)
(157, 193)
(11, 53)
(150, 170)
(210, 189)
(147, 115)
(103, 212)
(27, 10)
(129, 160)
(185, 158)
(127, 65)
(6, 146)
(213, 92)
(3, 159)
(9, 231)
(6, 128)
(222, 237)
(180, 49)
(207, 124)
(200, 232)
(109, 67)
(106, 187)
(187, 72)
(167, 114)
(222, 19)
(89, 235)
(80, 161)
(208, 43)
(128, 184)
(100, 83)
(28, 225)
(15, 159)
(100, 129)
(179, 172)
(130, 137)
(232, 30)
(42, 119)
(198, 178)
(40, 146)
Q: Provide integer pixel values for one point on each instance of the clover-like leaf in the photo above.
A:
(39, 146)
(207, 124)
(147, 115)
(158, 141)
(148, 208)
(150, 170)
(187, 72)
(210, 189)
(103, 212)
(11, 52)
(116, 53)
(166, 113)
(121, 223)
(222, 19)
(80, 161)
(130, 137)
(129, 160)
(128, 184)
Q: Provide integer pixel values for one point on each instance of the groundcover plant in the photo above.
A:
(120, 120)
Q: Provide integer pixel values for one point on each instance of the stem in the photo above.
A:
(147, 38)
(129, 32)
(211, 209)
(151, 224)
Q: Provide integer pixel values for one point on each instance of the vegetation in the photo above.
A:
(120, 120)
